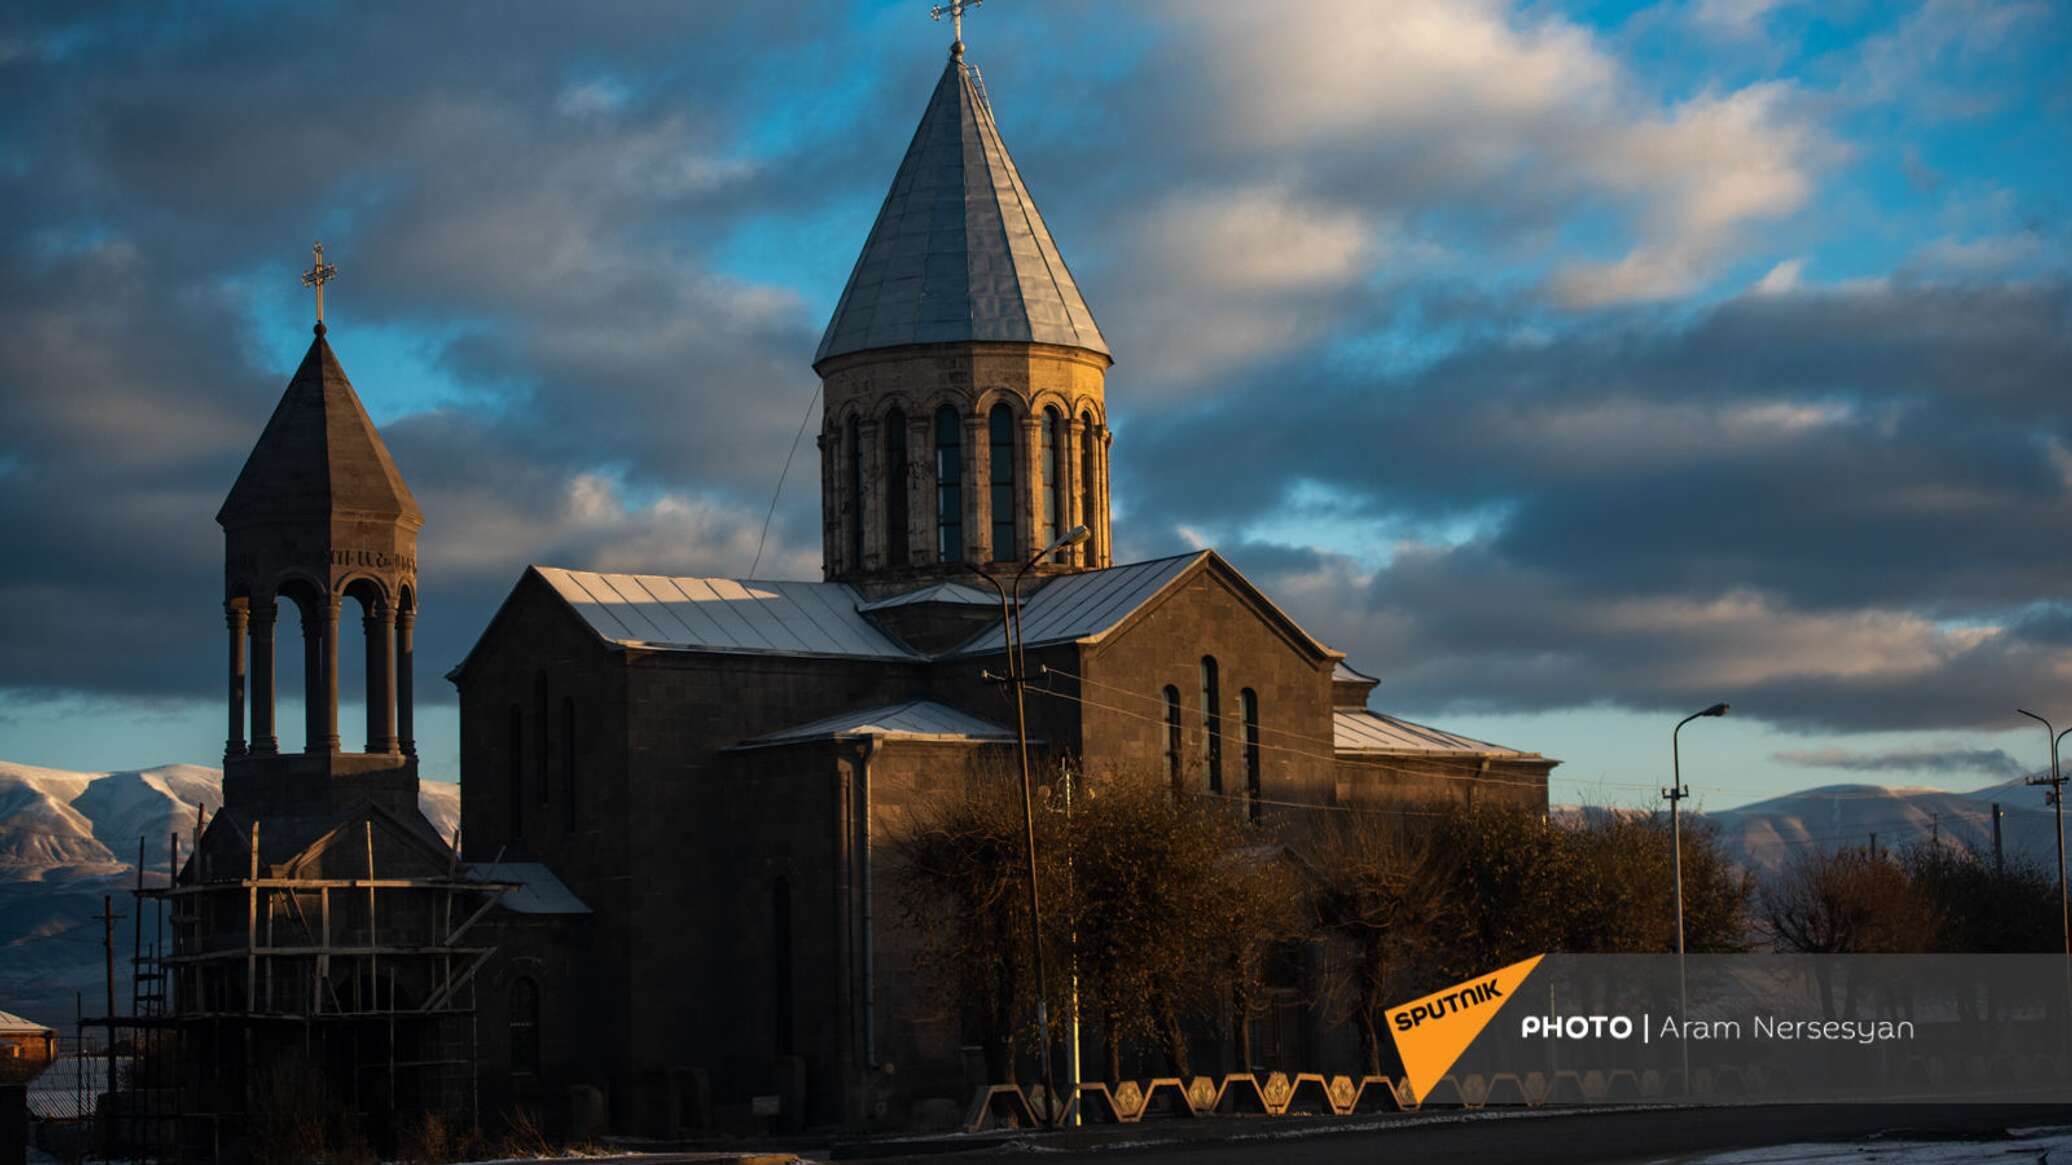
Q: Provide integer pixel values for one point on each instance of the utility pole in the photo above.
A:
(1011, 643)
(1873, 851)
(108, 917)
(1999, 860)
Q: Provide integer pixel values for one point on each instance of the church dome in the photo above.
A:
(959, 253)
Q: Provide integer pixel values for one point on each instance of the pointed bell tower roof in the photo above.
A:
(319, 455)
(958, 252)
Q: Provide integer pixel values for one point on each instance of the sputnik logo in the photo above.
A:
(1431, 1033)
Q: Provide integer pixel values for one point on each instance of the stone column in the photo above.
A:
(234, 614)
(264, 740)
(329, 721)
(406, 717)
(830, 511)
(871, 457)
(1102, 534)
(1035, 482)
(978, 491)
(380, 627)
(920, 487)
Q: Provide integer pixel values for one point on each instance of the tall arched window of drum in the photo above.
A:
(1000, 433)
(949, 486)
(1055, 480)
(1248, 701)
(1212, 723)
(852, 445)
(1172, 727)
(895, 424)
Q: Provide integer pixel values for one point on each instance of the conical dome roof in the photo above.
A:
(958, 252)
(319, 455)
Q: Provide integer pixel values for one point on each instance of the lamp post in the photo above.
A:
(1011, 641)
(1675, 795)
(2056, 781)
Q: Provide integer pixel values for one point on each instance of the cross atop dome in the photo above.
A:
(955, 11)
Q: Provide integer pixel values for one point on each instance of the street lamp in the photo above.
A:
(1011, 641)
(1675, 795)
(2056, 781)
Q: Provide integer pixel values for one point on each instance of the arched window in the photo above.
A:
(539, 720)
(1212, 723)
(1000, 432)
(949, 486)
(1248, 702)
(514, 754)
(895, 424)
(852, 444)
(525, 1027)
(1055, 480)
(1172, 723)
(568, 764)
(781, 988)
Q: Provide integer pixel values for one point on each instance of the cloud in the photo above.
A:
(1986, 762)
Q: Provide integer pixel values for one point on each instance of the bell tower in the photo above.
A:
(319, 520)
(965, 416)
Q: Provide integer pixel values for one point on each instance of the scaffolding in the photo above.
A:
(359, 991)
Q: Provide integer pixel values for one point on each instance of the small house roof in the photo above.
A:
(909, 720)
(15, 1025)
(1364, 732)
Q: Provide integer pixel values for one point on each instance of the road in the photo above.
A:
(1578, 1137)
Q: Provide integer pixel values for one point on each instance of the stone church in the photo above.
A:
(711, 764)
(677, 791)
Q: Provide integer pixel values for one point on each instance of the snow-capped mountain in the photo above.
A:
(69, 839)
(1765, 835)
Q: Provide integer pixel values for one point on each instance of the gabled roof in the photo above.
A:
(723, 614)
(958, 252)
(942, 592)
(1088, 605)
(911, 720)
(14, 1025)
(318, 455)
(1364, 732)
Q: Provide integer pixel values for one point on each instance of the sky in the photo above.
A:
(1571, 366)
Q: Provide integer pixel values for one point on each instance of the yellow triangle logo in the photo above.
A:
(1431, 1033)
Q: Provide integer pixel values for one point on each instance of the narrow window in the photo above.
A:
(853, 444)
(949, 486)
(568, 764)
(1057, 477)
(780, 965)
(1000, 428)
(895, 488)
(1249, 701)
(1172, 720)
(1211, 723)
(525, 1027)
(514, 753)
(539, 720)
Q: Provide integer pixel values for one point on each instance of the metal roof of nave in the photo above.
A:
(958, 252)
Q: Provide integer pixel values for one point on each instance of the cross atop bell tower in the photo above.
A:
(319, 517)
(319, 274)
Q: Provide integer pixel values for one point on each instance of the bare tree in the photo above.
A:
(1381, 889)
